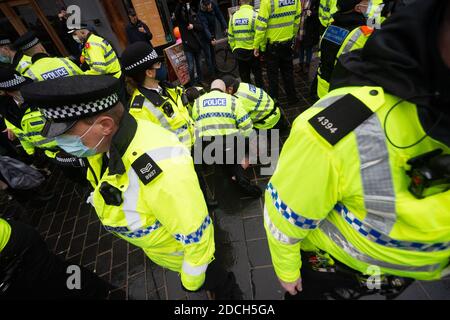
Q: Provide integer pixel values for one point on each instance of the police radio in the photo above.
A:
(429, 170)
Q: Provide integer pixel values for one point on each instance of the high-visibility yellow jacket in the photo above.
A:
(326, 10)
(347, 194)
(169, 109)
(47, 68)
(29, 134)
(101, 57)
(147, 192)
(259, 105)
(340, 40)
(374, 13)
(220, 114)
(5, 233)
(278, 21)
(241, 28)
(21, 62)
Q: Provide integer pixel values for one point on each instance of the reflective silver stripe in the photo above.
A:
(193, 271)
(280, 25)
(260, 28)
(31, 75)
(378, 188)
(352, 41)
(246, 96)
(276, 233)
(324, 103)
(272, 6)
(68, 65)
(262, 113)
(244, 38)
(158, 114)
(218, 127)
(98, 45)
(105, 63)
(247, 127)
(97, 69)
(109, 53)
(165, 153)
(379, 195)
(45, 141)
(233, 105)
(338, 238)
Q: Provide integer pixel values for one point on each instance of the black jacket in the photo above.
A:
(191, 38)
(404, 59)
(329, 49)
(134, 35)
(312, 26)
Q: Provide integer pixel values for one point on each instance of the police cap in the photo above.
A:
(139, 57)
(347, 5)
(66, 100)
(4, 40)
(10, 80)
(26, 41)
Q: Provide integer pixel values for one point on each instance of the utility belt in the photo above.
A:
(278, 44)
(271, 113)
(388, 285)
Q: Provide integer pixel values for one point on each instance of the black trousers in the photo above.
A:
(41, 274)
(339, 285)
(246, 67)
(279, 59)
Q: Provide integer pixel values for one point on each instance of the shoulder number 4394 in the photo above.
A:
(327, 124)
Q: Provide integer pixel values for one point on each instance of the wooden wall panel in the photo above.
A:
(147, 12)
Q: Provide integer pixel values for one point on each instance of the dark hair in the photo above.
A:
(131, 12)
(139, 77)
(232, 82)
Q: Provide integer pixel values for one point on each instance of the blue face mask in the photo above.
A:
(75, 146)
(5, 59)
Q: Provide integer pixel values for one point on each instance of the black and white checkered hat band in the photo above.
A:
(12, 83)
(4, 41)
(152, 56)
(27, 46)
(77, 111)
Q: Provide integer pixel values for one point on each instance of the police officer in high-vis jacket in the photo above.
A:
(29, 271)
(362, 182)
(159, 102)
(99, 56)
(347, 32)
(241, 34)
(221, 120)
(326, 10)
(276, 26)
(9, 55)
(43, 66)
(26, 122)
(145, 187)
(263, 111)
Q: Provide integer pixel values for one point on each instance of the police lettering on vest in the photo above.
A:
(252, 88)
(215, 102)
(241, 22)
(57, 73)
(336, 34)
(284, 3)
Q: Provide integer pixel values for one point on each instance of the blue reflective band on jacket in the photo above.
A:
(335, 34)
(216, 115)
(384, 240)
(288, 213)
(124, 231)
(196, 236)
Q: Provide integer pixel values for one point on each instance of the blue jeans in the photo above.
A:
(193, 60)
(305, 52)
(210, 57)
